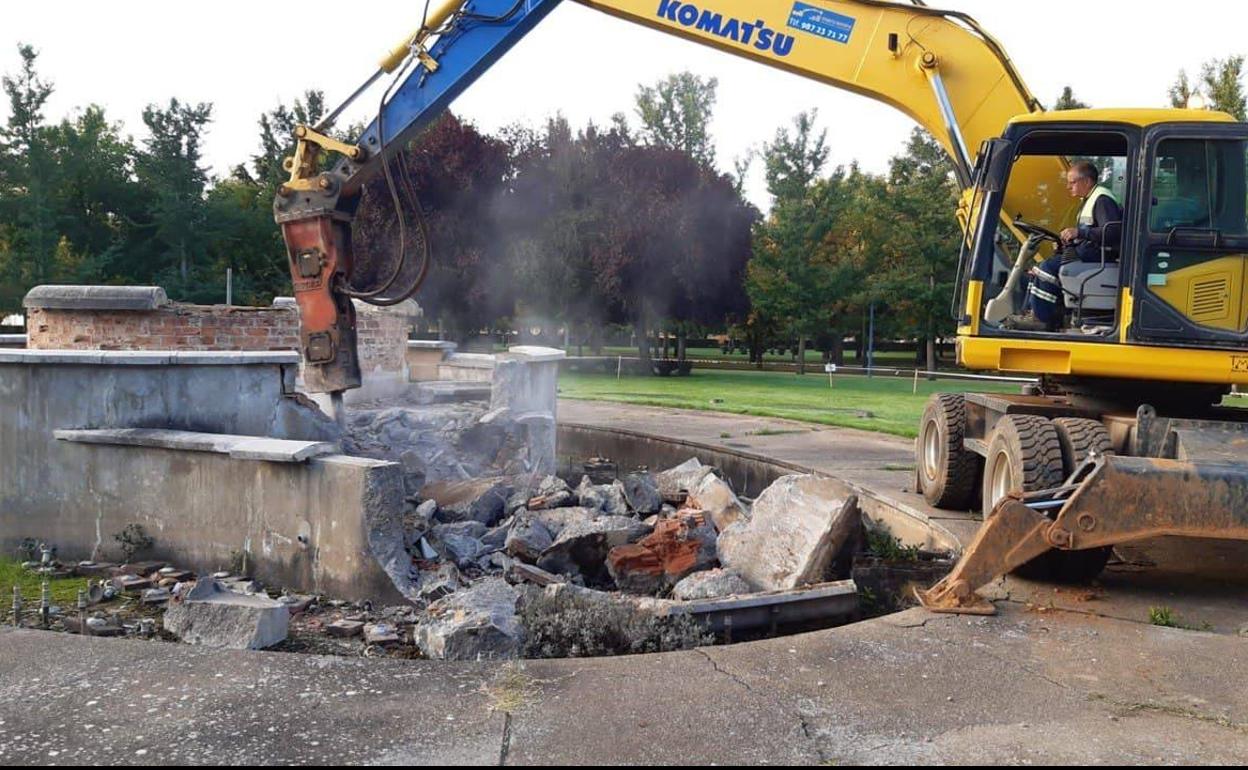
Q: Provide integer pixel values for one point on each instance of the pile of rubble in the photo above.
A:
(482, 548)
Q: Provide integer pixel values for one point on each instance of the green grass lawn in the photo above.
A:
(64, 590)
(893, 408)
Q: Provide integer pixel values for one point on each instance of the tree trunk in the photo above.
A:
(681, 338)
(931, 356)
(566, 342)
(801, 354)
(643, 343)
(838, 349)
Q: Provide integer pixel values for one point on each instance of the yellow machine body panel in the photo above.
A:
(1210, 293)
(1100, 359)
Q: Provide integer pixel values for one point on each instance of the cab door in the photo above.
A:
(1189, 279)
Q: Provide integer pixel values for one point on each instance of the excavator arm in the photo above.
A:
(938, 67)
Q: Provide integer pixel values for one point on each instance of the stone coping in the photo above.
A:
(237, 447)
(534, 354)
(470, 360)
(95, 297)
(13, 339)
(151, 357)
(432, 345)
(407, 308)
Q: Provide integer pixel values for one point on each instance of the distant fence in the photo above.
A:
(632, 364)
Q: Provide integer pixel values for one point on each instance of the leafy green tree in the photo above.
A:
(914, 244)
(676, 113)
(1067, 101)
(1223, 82)
(169, 166)
(786, 280)
(28, 179)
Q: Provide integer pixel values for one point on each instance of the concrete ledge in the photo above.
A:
(95, 298)
(150, 357)
(238, 447)
(470, 360)
(450, 347)
(534, 354)
(13, 340)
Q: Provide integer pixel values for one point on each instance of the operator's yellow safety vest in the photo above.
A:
(1089, 205)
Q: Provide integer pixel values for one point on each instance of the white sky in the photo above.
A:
(244, 58)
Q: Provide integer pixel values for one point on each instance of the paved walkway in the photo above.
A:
(1022, 687)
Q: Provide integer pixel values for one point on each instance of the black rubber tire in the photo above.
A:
(1030, 445)
(1077, 436)
(1033, 446)
(947, 475)
(1080, 436)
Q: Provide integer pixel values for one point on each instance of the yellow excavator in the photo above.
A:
(1123, 438)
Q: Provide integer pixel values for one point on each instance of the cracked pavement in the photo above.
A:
(1020, 687)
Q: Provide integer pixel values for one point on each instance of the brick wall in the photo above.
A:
(382, 335)
(172, 327)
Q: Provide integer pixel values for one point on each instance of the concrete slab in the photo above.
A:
(237, 447)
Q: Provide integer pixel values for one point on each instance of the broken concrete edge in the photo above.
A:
(891, 513)
(150, 357)
(49, 297)
(407, 307)
(237, 447)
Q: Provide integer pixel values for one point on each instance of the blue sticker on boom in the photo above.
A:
(821, 22)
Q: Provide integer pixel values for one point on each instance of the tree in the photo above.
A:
(1221, 87)
(169, 167)
(27, 176)
(915, 246)
(787, 281)
(676, 112)
(450, 176)
(1067, 101)
(1182, 91)
(1222, 80)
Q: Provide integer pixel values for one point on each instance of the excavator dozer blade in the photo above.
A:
(1119, 500)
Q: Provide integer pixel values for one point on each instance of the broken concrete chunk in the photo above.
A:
(478, 623)
(676, 483)
(796, 528)
(608, 498)
(345, 629)
(713, 495)
(432, 585)
(582, 548)
(380, 633)
(558, 519)
(527, 573)
(553, 492)
(711, 584)
(677, 547)
(528, 538)
(213, 616)
(641, 491)
(496, 538)
(473, 529)
(463, 550)
(480, 500)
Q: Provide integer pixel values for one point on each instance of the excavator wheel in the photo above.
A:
(1078, 437)
(1024, 455)
(947, 471)
(1028, 453)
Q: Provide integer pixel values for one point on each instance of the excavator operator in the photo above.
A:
(1044, 308)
